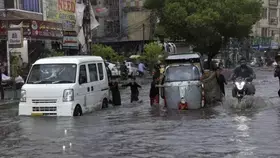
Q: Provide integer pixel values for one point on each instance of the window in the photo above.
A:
(94, 2)
(83, 73)
(9, 4)
(30, 5)
(273, 2)
(92, 72)
(264, 32)
(182, 73)
(264, 13)
(100, 71)
(52, 74)
(273, 33)
(272, 12)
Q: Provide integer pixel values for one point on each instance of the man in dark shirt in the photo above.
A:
(134, 90)
(221, 80)
(1, 86)
(277, 74)
(246, 72)
(154, 92)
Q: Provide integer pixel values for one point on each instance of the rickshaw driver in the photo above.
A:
(244, 71)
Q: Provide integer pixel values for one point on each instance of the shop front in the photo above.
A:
(36, 34)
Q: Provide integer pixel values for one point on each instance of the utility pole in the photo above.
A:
(143, 37)
(86, 26)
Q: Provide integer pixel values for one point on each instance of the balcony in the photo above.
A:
(273, 21)
(273, 2)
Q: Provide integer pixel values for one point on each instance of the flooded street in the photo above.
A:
(140, 131)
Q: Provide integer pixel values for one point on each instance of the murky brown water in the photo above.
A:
(140, 131)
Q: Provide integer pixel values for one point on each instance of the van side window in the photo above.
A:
(100, 70)
(92, 72)
(83, 73)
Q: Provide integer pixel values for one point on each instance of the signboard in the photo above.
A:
(46, 29)
(61, 11)
(33, 28)
(70, 40)
(15, 38)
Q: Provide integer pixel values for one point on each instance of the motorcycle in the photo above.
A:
(240, 86)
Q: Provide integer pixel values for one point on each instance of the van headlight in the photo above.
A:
(68, 95)
(23, 95)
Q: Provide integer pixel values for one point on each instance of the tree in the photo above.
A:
(152, 53)
(207, 25)
(106, 52)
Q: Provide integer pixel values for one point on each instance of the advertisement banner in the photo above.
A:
(70, 40)
(15, 37)
(61, 11)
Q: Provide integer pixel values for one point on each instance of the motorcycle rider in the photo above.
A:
(244, 71)
(124, 70)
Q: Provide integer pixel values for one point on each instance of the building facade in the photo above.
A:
(268, 28)
(123, 24)
(21, 9)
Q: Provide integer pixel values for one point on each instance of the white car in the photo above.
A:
(67, 86)
(114, 69)
(132, 68)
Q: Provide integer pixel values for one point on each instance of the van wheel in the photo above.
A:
(78, 111)
(105, 104)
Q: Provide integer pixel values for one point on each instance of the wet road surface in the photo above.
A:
(141, 131)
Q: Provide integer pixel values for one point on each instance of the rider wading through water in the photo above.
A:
(246, 72)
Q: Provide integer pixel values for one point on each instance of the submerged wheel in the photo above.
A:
(105, 104)
(78, 111)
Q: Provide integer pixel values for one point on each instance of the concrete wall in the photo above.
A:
(135, 25)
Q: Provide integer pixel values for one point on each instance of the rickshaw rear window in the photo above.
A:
(182, 73)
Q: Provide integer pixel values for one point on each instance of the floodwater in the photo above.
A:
(140, 131)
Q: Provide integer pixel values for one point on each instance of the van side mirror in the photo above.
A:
(82, 80)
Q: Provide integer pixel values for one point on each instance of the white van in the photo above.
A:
(65, 86)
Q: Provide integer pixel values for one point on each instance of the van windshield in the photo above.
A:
(182, 73)
(52, 74)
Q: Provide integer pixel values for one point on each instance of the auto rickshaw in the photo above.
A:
(182, 88)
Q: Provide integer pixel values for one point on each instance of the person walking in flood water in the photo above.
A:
(154, 92)
(134, 90)
(277, 74)
(221, 80)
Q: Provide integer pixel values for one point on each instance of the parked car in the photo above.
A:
(132, 69)
(114, 69)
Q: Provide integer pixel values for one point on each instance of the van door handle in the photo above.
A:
(88, 89)
(92, 88)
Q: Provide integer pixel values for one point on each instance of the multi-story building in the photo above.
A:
(269, 25)
(21, 9)
(123, 24)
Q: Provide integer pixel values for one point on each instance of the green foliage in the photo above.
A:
(56, 53)
(15, 69)
(106, 52)
(203, 23)
(152, 52)
(51, 53)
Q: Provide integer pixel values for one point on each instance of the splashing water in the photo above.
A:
(246, 104)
